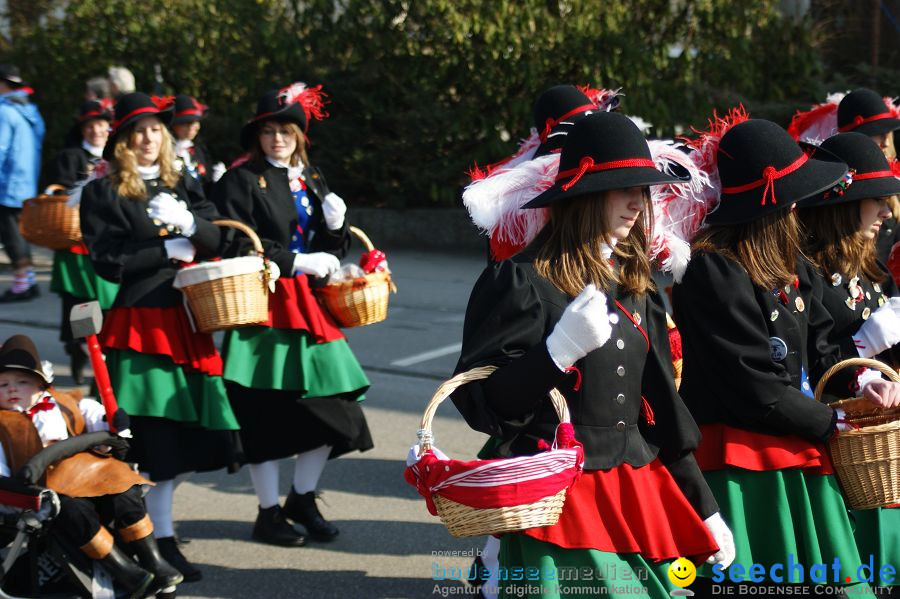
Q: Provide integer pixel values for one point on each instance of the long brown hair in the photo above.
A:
(833, 242)
(572, 257)
(297, 158)
(767, 248)
(123, 168)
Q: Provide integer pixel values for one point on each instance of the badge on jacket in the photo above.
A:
(779, 348)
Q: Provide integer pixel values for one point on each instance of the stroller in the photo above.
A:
(35, 561)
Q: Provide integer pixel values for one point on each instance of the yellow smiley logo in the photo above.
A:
(682, 572)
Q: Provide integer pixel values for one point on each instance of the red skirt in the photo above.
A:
(163, 331)
(726, 446)
(293, 306)
(630, 510)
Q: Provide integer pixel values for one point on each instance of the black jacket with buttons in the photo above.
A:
(511, 312)
(744, 348)
(127, 247)
(849, 316)
(258, 194)
(70, 166)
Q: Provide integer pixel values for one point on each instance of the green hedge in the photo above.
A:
(422, 89)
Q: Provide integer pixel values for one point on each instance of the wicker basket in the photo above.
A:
(359, 301)
(867, 459)
(49, 221)
(466, 521)
(231, 293)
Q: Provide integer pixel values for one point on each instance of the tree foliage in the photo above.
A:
(422, 89)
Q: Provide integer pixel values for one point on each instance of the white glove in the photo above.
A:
(724, 539)
(180, 249)
(319, 264)
(840, 425)
(583, 327)
(166, 208)
(217, 171)
(333, 209)
(880, 331)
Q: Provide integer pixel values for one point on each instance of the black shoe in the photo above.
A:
(168, 548)
(272, 528)
(127, 574)
(29, 294)
(301, 508)
(78, 359)
(148, 555)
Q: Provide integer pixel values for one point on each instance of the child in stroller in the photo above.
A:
(91, 488)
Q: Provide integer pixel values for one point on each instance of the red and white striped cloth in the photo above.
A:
(497, 483)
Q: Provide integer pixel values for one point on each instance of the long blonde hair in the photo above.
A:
(123, 168)
(297, 158)
(572, 256)
(767, 248)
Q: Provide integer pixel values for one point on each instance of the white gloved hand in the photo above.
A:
(724, 539)
(840, 424)
(880, 331)
(180, 249)
(583, 327)
(218, 170)
(166, 208)
(333, 209)
(318, 264)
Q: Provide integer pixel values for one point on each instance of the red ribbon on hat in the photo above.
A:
(551, 123)
(587, 165)
(769, 175)
(873, 175)
(859, 120)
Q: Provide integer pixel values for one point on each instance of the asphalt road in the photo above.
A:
(389, 545)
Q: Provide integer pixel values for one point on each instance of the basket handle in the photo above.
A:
(880, 366)
(448, 387)
(362, 237)
(236, 224)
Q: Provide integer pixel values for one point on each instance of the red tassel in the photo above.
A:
(577, 377)
(543, 445)
(565, 435)
(647, 412)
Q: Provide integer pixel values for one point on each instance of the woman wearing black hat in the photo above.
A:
(754, 338)
(298, 365)
(841, 227)
(73, 276)
(185, 127)
(141, 222)
(544, 319)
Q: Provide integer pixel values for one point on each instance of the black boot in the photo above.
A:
(168, 548)
(272, 528)
(77, 360)
(134, 579)
(148, 555)
(302, 509)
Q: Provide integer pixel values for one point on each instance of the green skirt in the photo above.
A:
(289, 360)
(152, 385)
(780, 513)
(579, 572)
(877, 534)
(74, 274)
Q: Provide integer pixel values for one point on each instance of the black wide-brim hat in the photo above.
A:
(19, 353)
(864, 111)
(10, 74)
(763, 171)
(131, 108)
(871, 173)
(188, 110)
(271, 107)
(556, 111)
(604, 151)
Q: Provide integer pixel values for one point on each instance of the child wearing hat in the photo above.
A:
(25, 389)
(73, 276)
(577, 310)
(841, 227)
(755, 339)
(298, 365)
(193, 153)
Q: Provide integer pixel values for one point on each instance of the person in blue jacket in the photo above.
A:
(21, 136)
